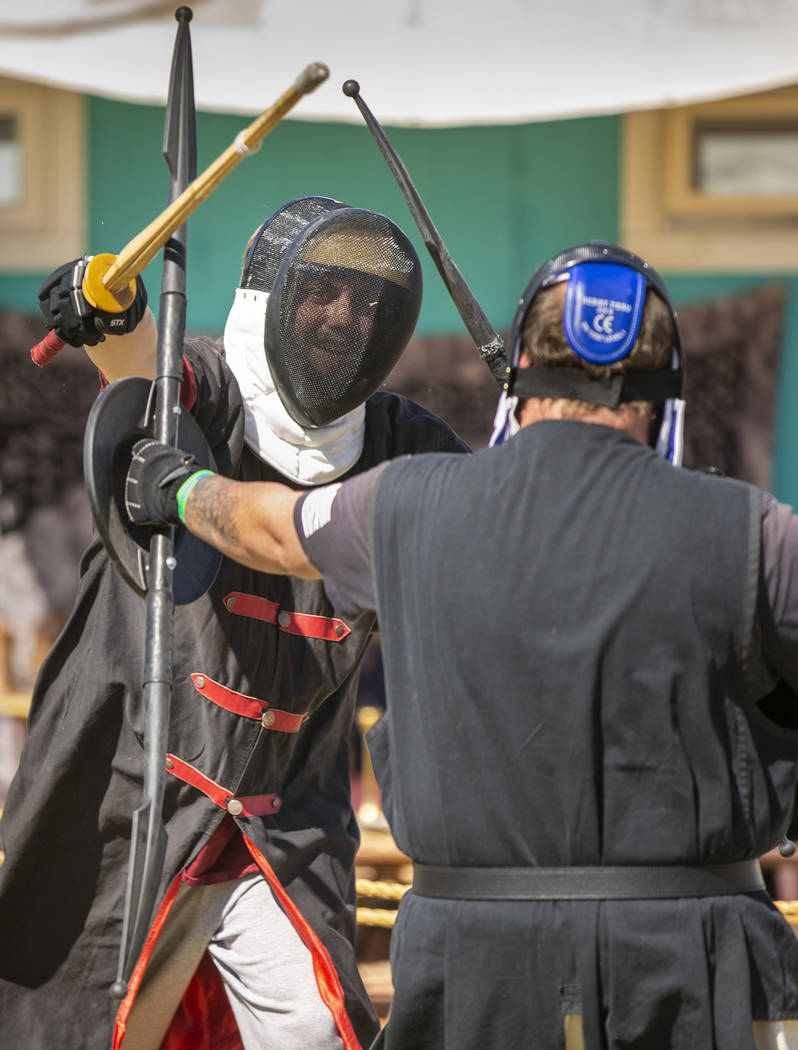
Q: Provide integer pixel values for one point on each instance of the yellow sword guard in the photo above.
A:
(109, 281)
(145, 246)
(96, 292)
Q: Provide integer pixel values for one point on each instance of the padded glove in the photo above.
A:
(155, 475)
(67, 310)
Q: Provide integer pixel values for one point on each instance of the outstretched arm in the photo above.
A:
(251, 522)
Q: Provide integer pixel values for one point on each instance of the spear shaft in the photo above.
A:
(148, 834)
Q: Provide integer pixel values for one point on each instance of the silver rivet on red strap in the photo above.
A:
(199, 681)
(170, 764)
(267, 718)
(235, 807)
(284, 619)
(277, 803)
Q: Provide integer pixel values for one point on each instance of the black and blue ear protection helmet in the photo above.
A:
(603, 307)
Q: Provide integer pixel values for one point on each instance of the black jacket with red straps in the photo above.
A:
(265, 678)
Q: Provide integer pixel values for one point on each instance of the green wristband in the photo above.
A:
(187, 488)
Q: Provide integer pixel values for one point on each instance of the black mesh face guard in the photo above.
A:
(276, 235)
(342, 307)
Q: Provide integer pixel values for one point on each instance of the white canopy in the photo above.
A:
(419, 62)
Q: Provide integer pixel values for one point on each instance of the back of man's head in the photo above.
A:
(544, 343)
(595, 330)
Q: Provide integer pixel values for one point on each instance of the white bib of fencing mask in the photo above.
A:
(309, 456)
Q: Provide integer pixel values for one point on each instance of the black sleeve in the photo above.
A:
(333, 523)
(397, 426)
(218, 407)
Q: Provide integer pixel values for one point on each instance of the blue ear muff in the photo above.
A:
(602, 311)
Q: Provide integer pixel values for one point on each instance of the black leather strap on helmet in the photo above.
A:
(656, 384)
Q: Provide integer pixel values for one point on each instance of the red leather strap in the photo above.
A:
(326, 628)
(188, 382)
(248, 706)
(241, 806)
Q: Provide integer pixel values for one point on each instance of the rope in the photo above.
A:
(388, 891)
(381, 917)
(789, 909)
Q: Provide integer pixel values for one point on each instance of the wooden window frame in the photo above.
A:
(47, 225)
(679, 228)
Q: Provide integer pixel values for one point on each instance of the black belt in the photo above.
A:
(621, 882)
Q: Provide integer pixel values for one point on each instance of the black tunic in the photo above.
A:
(66, 824)
(568, 625)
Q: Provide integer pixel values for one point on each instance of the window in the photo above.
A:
(42, 210)
(10, 161)
(736, 158)
(714, 186)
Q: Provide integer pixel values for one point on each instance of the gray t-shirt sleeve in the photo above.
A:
(334, 527)
(779, 620)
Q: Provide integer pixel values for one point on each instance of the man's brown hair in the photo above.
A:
(543, 337)
(544, 344)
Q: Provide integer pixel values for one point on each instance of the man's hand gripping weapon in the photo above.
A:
(109, 281)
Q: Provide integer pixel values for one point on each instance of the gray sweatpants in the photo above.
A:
(266, 969)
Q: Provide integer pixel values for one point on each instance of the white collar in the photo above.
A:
(311, 456)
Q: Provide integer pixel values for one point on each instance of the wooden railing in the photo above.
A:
(15, 689)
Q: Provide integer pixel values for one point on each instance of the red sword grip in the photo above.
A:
(44, 351)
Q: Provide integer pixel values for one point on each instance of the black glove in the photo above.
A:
(66, 309)
(154, 476)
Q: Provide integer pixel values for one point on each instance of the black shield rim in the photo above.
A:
(120, 415)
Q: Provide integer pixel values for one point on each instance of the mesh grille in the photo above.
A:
(276, 235)
(341, 311)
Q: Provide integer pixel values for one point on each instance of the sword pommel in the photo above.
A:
(310, 77)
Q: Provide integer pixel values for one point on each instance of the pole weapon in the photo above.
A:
(488, 342)
(148, 834)
(110, 283)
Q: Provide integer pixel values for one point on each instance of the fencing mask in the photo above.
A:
(344, 288)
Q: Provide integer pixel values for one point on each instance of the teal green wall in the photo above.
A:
(494, 194)
(503, 199)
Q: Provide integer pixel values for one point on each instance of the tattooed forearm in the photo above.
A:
(250, 522)
(211, 509)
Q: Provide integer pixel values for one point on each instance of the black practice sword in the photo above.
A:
(488, 342)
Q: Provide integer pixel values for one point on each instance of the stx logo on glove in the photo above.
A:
(69, 313)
